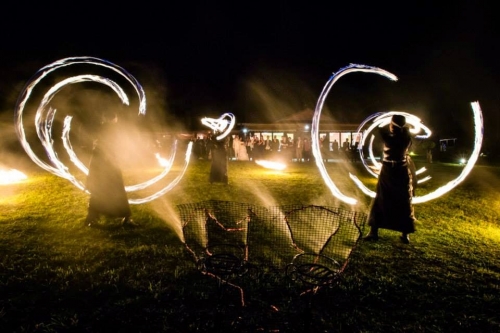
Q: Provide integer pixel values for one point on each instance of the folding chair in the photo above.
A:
(215, 233)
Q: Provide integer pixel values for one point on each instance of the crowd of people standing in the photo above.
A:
(258, 147)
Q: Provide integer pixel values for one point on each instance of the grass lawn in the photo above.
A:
(58, 276)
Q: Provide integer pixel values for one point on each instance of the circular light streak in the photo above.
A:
(45, 116)
(382, 119)
(317, 115)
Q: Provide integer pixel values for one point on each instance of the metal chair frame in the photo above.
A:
(226, 260)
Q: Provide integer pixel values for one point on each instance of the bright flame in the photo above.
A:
(271, 165)
(11, 176)
(163, 162)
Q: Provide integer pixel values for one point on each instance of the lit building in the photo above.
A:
(299, 124)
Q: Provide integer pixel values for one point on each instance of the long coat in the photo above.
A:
(105, 181)
(392, 207)
(218, 168)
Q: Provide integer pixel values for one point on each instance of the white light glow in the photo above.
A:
(163, 161)
(271, 165)
(11, 176)
(224, 124)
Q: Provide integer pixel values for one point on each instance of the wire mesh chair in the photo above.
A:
(325, 237)
(309, 244)
(215, 233)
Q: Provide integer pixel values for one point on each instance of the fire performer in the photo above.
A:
(218, 168)
(392, 207)
(105, 180)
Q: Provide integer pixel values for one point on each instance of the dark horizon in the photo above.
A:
(263, 63)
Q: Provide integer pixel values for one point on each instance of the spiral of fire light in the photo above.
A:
(45, 116)
(382, 119)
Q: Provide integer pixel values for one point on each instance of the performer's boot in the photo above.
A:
(405, 238)
(372, 235)
(128, 223)
(91, 219)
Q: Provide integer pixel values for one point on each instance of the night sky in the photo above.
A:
(265, 61)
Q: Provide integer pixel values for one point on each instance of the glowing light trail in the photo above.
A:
(478, 142)
(316, 119)
(382, 119)
(44, 121)
(172, 184)
(478, 139)
(221, 125)
(44, 126)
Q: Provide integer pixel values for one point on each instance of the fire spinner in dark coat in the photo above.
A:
(105, 181)
(392, 207)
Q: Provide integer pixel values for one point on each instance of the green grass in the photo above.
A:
(58, 276)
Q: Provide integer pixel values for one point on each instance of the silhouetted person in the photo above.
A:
(307, 152)
(335, 147)
(299, 149)
(105, 180)
(218, 168)
(392, 207)
(346, 145)
(430, 146)
(325, 150)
